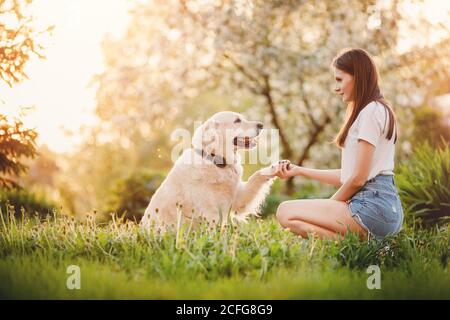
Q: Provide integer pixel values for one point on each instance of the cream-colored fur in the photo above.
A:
(195, 187)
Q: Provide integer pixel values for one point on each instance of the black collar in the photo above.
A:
(217, 160)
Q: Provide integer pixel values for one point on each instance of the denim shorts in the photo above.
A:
(377, 207)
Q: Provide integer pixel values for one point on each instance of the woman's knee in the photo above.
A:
(282, 214)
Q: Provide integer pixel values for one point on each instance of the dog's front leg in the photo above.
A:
(250, 195)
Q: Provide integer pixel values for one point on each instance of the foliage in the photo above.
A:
(430, 126)
(130, 196)
(271, 203)
(424, 185)
(18, 40)
(42, 170)
(18, 202)
(89, 174)
(254, 260)
(16, 142)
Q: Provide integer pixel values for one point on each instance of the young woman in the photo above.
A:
(367, 200)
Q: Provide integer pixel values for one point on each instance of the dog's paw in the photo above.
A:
(286, 162)
(268, 171)
(272, 170)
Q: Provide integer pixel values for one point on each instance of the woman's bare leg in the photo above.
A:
(327, 218)
(305, 229)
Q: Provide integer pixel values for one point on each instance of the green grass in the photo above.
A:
(258, 260)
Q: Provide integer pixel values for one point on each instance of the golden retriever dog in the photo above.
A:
(206, 180)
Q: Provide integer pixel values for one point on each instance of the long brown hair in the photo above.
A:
(359, 64)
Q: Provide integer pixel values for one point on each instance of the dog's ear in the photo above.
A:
(210, 132)
(211, 125)
(205, 134)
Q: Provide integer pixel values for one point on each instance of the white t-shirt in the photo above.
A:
(371, 125)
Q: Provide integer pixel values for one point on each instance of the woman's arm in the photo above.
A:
(285, 170)
(331, 176)
(362, 169)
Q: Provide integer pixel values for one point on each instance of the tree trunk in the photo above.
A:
(305, 154)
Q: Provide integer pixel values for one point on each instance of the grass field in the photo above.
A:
(258, 260)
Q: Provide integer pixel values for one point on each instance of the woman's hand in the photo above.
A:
(285, 169)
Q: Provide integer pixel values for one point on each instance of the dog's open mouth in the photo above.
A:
(245, 142)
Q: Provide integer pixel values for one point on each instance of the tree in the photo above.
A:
(17, 44)
(15, 142)
(17, 40)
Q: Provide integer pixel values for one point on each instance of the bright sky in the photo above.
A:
(58, 86)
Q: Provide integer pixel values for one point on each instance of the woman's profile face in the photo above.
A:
(344, 84)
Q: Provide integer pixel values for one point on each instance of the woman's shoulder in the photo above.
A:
(374, 106)
(374, 109)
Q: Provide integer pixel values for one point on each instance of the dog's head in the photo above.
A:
(226, 132)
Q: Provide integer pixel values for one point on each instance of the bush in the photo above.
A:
(424, 185)
(129, 197)
(30, 202)
(429, 126)
(271, 204)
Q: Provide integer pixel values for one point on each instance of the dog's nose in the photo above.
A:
(260, 125)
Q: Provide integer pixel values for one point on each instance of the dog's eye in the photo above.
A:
(237, 120)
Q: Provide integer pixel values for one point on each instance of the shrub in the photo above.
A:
(130, 196)
(271, 204)
(429, 126)
(30, 202)
(424, 185)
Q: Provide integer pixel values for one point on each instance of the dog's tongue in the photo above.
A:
(246, 142)
(250, 142)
